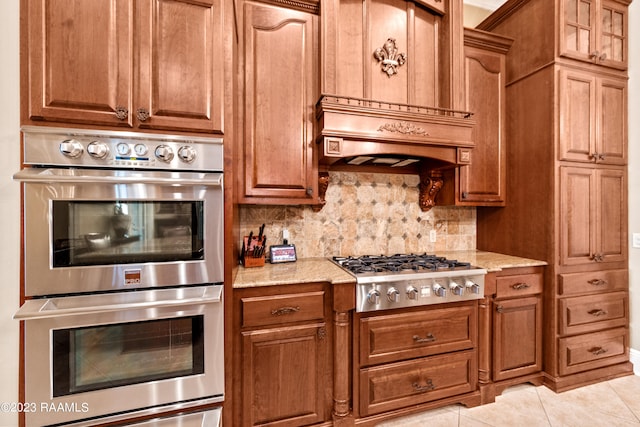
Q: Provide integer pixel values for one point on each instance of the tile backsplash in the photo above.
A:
(365, 213)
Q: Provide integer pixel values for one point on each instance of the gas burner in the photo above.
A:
(395, 281)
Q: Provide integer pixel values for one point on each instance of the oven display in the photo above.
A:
(101, 357)
(89, 233)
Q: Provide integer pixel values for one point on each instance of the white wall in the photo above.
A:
(634, 177)
(9, 205)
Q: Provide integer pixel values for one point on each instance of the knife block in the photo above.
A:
(249, 259)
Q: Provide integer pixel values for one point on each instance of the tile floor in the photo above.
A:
(610, 403)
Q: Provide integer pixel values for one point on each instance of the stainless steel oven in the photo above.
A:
(123, 274)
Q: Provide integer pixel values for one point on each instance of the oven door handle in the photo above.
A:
(54, 175)
(98, 303)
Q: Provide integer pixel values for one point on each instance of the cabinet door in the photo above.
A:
(483, 182)
(180, 65)
(612, 121)
(517, 343)
(594, 31)
(283, 376)
(593, 215)
(80, 61)
(280, 67)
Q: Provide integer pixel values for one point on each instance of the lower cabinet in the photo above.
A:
(285, 360)
(511, 330)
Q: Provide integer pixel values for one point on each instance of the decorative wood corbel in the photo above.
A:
(431, 181)
(323, 184)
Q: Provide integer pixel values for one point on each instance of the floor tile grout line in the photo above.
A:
(623, 401)
(544, 408)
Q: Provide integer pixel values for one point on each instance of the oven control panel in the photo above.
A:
(112, 149)
(381, 295)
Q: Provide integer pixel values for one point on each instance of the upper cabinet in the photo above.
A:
(145, 64)
(595, 31)
(279, 63)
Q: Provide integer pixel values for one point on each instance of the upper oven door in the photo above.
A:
(105, 230)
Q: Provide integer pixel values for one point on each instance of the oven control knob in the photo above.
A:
(393, 294)
(71, 148)
(164, 153)
(439, 290)
(412, 293)
(456, 288)
(187, 153)
(98, 150)
(473, 287)
(374, 296)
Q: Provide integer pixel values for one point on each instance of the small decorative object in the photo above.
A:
(389, 57)
(403, 128)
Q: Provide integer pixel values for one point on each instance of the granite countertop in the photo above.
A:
(313, 270)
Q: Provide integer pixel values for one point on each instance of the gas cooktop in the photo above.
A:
(406, 280)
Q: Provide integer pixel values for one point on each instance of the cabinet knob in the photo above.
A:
(500, 309)
(597, 257)
(122, 113)
(142, 114)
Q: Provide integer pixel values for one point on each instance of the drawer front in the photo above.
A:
(279, 309)
(595, 350)
(396, 385)
(593, 312)
(389, 338)
(592, 282)
(520, 285)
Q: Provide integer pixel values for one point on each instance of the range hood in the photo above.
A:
(357, 132)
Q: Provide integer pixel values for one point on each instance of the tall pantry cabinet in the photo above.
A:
(567, 177)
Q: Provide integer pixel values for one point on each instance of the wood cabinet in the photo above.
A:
(148, 64)
(483, 182)
(279, 63)
(414, 356)
(593, 216)
(567, 132)
(593, 118)
(284, 359)
(595, 31)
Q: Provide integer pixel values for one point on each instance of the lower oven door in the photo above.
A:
(126, 353)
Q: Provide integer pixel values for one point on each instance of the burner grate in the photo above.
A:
(399, 263)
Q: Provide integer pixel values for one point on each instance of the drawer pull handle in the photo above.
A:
(428, 338)
(520, 286)
(423, 388)
(597, 351)
(500, 309)
(597, 312)
(597, 282)
(284, 310)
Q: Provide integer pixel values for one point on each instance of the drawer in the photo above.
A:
(594, 281)
(595, 350)
(396, 385)
(279, 309)
(518, 285)
(593, 312)
(389, 338)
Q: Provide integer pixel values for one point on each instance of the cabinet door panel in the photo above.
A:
(283, 376)
(577, 215)
(577, 116)
(280, 66)
(180, 65)
(80, 60)
(612, 215)
(517, 344)
(612, 138)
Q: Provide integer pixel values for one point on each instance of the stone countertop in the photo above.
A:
(314, 270)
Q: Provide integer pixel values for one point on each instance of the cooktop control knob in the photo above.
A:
(439, 290)
(412, 293)
(393, 294)
(71, 148)
(187, 153)
(98, 150)
(473, 287)
(456, 288)
(164, 153)
(373, 296)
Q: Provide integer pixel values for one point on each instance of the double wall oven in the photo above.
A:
(123, 277)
